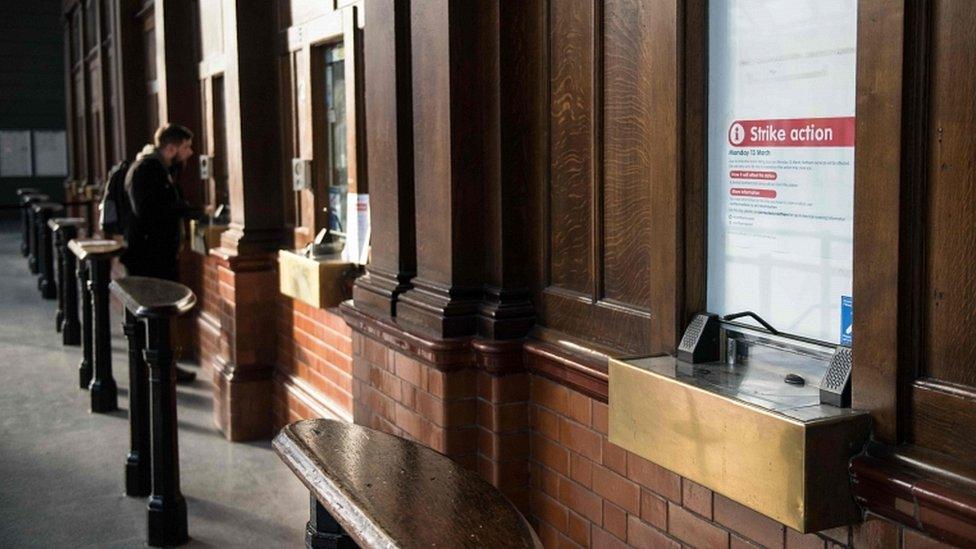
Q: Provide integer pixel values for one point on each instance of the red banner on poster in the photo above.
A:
(793, 132)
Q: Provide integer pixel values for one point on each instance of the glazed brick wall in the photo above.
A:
(587, 492)
(401, 395)
(478, 419)
(313, 374)
(207, 315)
(503, 435)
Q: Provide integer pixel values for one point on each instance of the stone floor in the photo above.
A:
(61, 467)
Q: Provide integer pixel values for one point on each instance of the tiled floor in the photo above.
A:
(61, 467)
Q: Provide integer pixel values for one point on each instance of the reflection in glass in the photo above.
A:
(335, 100)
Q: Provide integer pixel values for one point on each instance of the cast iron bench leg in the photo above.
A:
(32, 263)
(167, 508)
(45, 257)
(70, 328)
(85, 368)
(25, 231)
(138, 474)
(59, 242)
(104, 394)
(322, 531)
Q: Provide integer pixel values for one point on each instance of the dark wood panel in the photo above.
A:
(572, 145)
(943, 419)
(877, 200)
(919, 489)
(694, 53)
(665, 65)
(627, 148)
(607, 323)
(951, 183)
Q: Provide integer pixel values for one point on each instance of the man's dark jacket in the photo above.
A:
(153, 231)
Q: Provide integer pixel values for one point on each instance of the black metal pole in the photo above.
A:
(59, 243)
(25, 227)
(32, 263)
(138, 472)
(104, 394)
(167, 508)
(70, 327)
(85, 368)
(45, 257)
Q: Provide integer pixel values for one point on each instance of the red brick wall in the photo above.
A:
(398, 394)
(208, 315)
(478, 419)
(313, 376)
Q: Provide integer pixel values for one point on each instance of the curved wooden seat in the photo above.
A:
(386, 491)
(83, 248)
(149, 297)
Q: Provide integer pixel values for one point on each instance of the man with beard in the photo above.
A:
(153, 231)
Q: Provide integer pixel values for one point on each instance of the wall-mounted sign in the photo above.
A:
(781, 94)
(15, 153)
(50, 153)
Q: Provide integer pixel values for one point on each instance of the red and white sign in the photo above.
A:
(760, 175)
(793, 132)
(752, 193)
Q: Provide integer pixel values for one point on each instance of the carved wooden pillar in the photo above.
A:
(452, 139)
(514, 47)
(176, 76)
(246, 256)
(131, 77)
(389, 135)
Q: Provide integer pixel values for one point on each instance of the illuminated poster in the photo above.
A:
(781, 162)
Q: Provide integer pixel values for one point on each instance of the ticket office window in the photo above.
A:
(322, 137)
(219, 192)
(330, 142)
(780, 176)
(335, 138)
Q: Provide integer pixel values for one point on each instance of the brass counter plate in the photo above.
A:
(759, 458)
(316, 282)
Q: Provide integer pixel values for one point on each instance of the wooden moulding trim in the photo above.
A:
(583, 373)
(244, 263)
(500, 357)
(497, 357)
(315, 401)
(908, 488)
(443, 354)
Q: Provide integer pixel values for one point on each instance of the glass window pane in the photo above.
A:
(781, 162)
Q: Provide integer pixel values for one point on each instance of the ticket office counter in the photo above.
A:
(825, 193)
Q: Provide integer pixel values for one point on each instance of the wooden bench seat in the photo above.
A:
(385, 491)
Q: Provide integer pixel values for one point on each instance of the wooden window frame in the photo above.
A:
(300, 56)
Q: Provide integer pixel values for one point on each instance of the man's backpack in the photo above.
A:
(114, 208)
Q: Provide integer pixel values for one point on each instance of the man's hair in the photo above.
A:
(172, 134)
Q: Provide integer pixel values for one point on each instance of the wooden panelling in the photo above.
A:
(613, 215)
(877, 201)
(950, 243)
(627, 153)
(665, 64)
(573, 147)
(432, 133)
